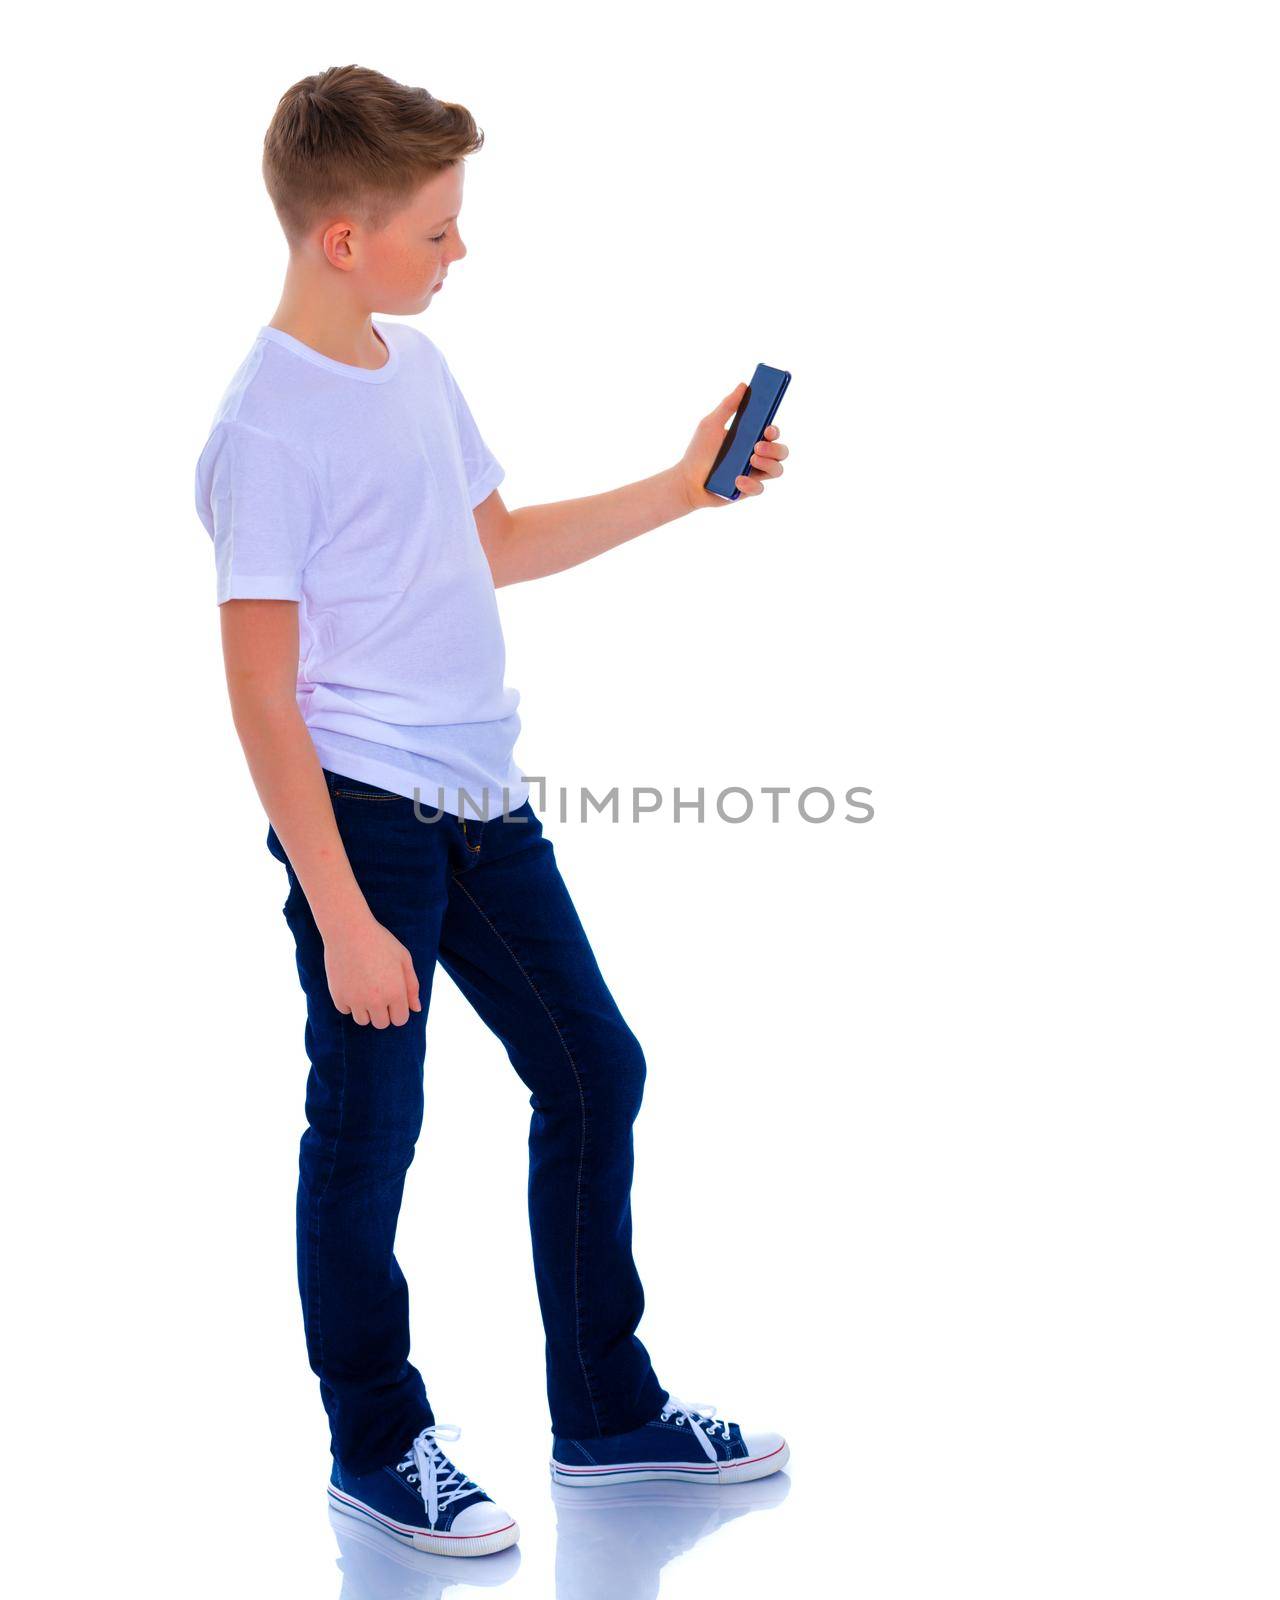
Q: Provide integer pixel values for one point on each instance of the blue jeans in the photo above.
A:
(486, 900)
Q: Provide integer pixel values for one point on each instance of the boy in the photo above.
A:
(359, 538)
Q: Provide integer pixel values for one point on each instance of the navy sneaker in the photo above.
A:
(425, 1501)
(683, 1444)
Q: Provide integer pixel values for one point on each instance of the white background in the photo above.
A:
(958, 1157)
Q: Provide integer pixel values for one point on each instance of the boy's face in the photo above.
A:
(402, 267)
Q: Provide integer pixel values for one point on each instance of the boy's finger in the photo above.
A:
(730, 403)
(411, 986)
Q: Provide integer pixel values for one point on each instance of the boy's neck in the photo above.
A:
(341, 332)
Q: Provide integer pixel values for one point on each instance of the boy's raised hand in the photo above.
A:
(704, 447)
(371, 976)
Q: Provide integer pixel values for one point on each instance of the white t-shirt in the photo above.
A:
(352, 491)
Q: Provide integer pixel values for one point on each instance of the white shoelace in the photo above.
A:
(438, 1491)
(691, 1415)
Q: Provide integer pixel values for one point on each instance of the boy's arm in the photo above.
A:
(536, 540)
(370, 972)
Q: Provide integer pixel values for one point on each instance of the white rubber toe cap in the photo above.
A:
(763, 1444)
(483, 1517)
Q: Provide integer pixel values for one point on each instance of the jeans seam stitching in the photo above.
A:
(582, 1149)
(320, 1194)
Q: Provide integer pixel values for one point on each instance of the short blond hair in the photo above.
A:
(352, 138)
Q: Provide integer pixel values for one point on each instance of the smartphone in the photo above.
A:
(755, 412)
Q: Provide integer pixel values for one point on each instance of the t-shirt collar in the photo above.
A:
(342, 368)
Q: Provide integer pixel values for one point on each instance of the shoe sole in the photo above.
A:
(436, 1544)
(741, 1471)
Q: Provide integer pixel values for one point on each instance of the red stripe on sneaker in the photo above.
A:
(643, 1466)
(668, 1466)
(743, 1460)
(405, 1527)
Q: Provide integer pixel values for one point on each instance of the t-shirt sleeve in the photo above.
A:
(484, 472)
(258, 500)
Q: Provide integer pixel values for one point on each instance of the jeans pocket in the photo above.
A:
(343, 788)
(367, 796)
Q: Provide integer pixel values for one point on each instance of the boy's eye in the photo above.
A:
(437, 238)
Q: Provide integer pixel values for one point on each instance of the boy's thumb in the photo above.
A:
(730, 403)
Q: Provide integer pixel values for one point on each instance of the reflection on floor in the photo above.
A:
(611, 1544)
(614, 1543)
(375, 1566)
